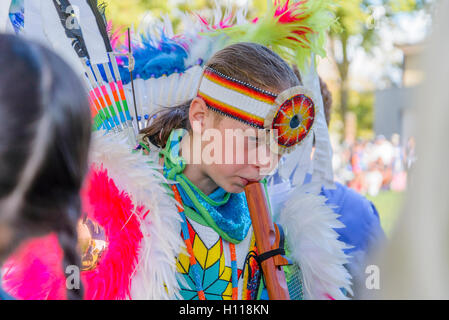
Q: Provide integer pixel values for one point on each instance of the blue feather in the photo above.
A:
(155, 58)
(16, 14)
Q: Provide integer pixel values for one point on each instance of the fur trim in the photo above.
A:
(155, 274)
(309, 227)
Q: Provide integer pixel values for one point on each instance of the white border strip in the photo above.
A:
(235, 99)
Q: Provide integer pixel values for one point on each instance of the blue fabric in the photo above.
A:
(358, 214)
(4, 295)
(232, 217)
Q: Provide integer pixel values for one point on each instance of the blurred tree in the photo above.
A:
(129, 12)
(125, 13)
(359, 19)
(361, 104)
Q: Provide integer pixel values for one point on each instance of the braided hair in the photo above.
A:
(45, 130)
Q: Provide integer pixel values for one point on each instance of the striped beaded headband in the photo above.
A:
(289, 116)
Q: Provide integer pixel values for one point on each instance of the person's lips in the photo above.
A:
(245, 181)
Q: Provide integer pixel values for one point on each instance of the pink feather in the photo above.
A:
(113, 210)
(35, 270)
(289, 13)
(226, 22)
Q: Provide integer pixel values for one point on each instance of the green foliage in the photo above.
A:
(358, 20)
(130, 12)
(408, 5)
(350, 16)
(362, 105)
(389, 205)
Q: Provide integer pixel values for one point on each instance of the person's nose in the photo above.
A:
(265, 160)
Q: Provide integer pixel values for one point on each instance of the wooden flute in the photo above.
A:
(267, 239)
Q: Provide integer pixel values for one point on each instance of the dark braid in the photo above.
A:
(45, 129)
(68, 240)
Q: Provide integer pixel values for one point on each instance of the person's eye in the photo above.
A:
(253, 140)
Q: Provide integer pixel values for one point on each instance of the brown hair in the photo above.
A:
(327, 100)
(248, 62)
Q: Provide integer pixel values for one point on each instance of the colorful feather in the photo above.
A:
(112, 209)
(154, 58)
(309, 228)
(155, 276)
(35, 270)
(293, 30)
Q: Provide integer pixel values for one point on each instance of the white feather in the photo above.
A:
(155, 275)
(33, 22)
(167, 26)
(48, 23)
(182, 84)
(322, 167)
(91, 33)
(297, 162)
(141, 100)
(4, 14)
(150, 88)
(309, 227)
(173, 81)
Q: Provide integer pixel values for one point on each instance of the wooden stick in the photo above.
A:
(265, 234)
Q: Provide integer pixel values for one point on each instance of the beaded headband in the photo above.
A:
(289, 116)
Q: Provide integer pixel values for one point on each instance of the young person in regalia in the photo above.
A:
(170, 220)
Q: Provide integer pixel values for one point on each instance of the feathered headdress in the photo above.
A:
(168, 67)
(85, 45)
(297, 31)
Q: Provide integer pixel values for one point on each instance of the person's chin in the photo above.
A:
(235, 188)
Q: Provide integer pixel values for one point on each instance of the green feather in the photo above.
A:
(315, 18)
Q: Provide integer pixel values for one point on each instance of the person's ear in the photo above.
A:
(198, 113)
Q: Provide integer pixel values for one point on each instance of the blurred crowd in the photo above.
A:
(369, 166)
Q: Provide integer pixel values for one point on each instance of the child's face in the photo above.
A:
(248, 158)
(232, 152)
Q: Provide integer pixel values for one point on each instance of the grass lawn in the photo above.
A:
(388, 204)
